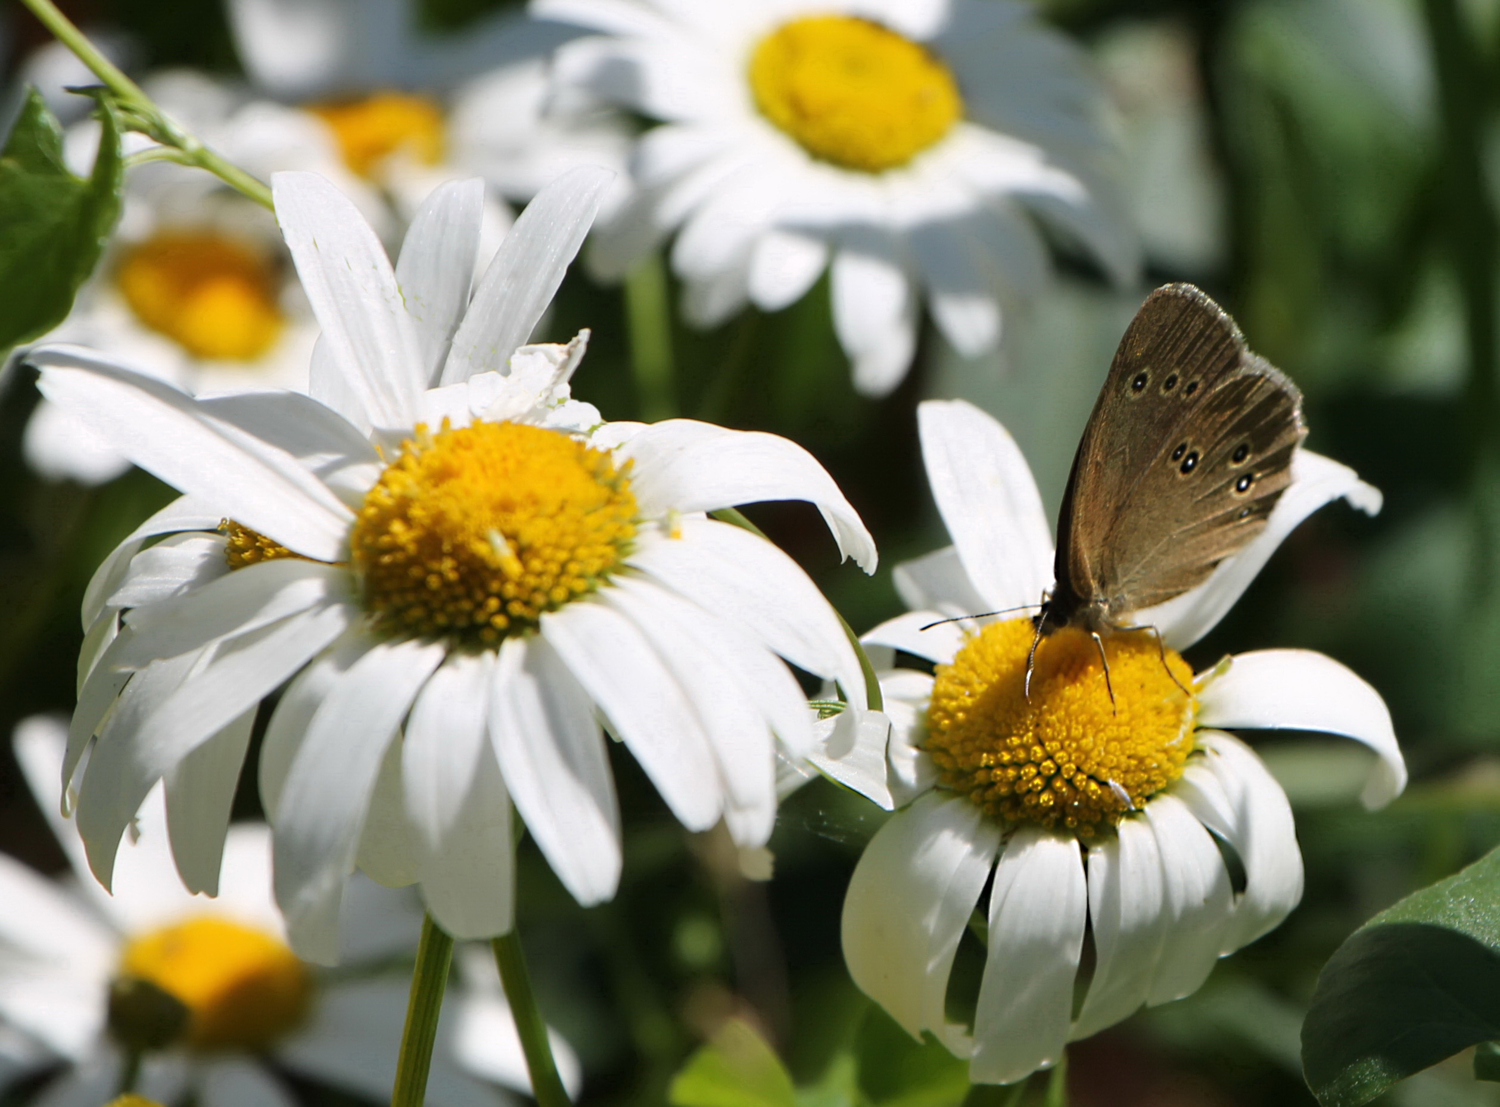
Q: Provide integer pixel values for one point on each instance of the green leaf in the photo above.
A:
(736, 1069)
(1414, 985)
(895, 1070)
(53, 225)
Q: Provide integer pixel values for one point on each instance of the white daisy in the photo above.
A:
(196, 283)
(253, 1010)
(1141, 821)
(459, 570)
(906, 146)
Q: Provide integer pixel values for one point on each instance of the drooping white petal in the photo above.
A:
(908, 902)
(348, 279)
(1038, 907)
(726, 569)
(686, 466)
(716, 668)
(1232, 793)
(176, 564)
(200, 790)
(165, 432)
(644, 704)
(457, 801)
(988, 500)
(327, 791)
(1306, 690)
(183, 514)
(551, 753)
(1129, 924)
(1196, 899)
(928, 634)
(386, 851)
(852, 749)
(436, 267)
(1316, 481)
(525, 273)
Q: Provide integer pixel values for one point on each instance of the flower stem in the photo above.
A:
(428, 981)
(546, 1085)
(140, 112)
(649, 316)
(130, 1072)
(874, 699)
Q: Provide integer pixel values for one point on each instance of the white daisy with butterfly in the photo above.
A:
(1118, 804)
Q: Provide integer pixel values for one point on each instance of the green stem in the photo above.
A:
(140, 111)
(130, 1075)
(649, 318)
(1057, 1084)
(428, 981)
(546, 1085)
(874, 699)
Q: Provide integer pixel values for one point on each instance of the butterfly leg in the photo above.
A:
(1161, 648)
(1104, 660)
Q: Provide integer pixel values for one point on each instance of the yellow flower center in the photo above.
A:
(371, 130)
(472, 533)
(852, 92)
(248, 547)
(1065, 756)
(214, 296)
(243, 988)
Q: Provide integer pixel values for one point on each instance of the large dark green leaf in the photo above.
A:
(53, 225)
(1414, 985)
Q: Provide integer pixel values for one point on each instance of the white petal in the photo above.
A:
(686, 466)
(783, 266)
(312, 432)
(1315, 481)
(238, 1082)
(718, 668)
(551, 753)
(166, 433)
(988, 500)
(457, 801)
(321, 808)
(1126, 911)
(176, 564)
(749, 581)
(874, 315)
(41, 922)
(353, 292)
(236, 603)
(853, 750)
(928, 634)
(1304, 690)
(182, 514)
(485, 1043)
(200, 790)
(1038, 907)
(436, 267)
(908, 903)
(40, 743)
(387, 850)
(938, 582)
(60, 446)
(963, 304)
(1196, 899)
(644, 705)
(525, 273)
(1231, 792)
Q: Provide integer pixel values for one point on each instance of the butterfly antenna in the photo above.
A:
(982, 615)
(1104, 659)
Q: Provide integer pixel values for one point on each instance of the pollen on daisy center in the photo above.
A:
(852, 92)
(373, 128)
(1065, 756)
(211, 294)
(473, 532)
(248, 547)
(243, 988)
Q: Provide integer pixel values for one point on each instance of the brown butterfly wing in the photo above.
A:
(1187, 451)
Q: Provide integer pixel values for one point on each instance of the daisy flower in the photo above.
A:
(456, 571)
(80, 968)
(907, 147)
(1141, 821)
(196, 283)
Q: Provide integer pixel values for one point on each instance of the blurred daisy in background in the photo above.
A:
(409, 110)
(458, 568)
(1130, 812)
(916, 151)
(208, 987)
